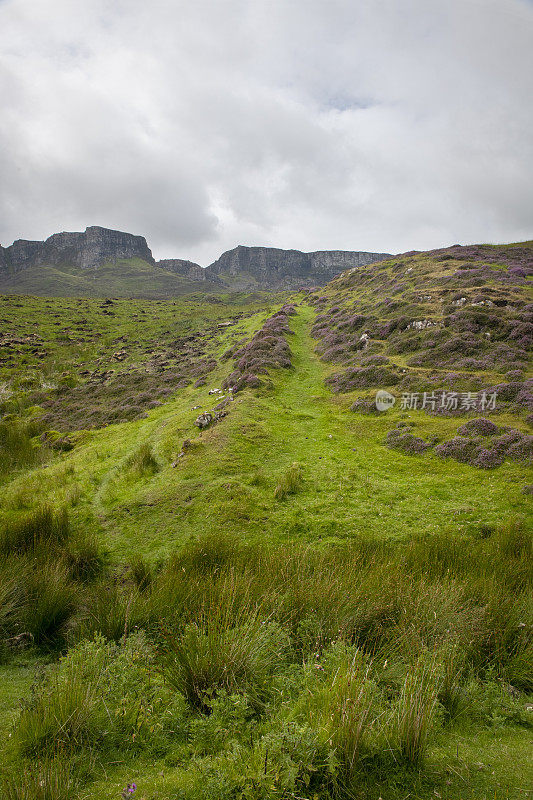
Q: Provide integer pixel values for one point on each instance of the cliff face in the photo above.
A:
(272, 268)
(86, 250)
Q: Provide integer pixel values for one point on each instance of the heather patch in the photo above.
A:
(361, 378)
(365, 405)
(268, 349)
(488, 450)
(513, 257)
(516, 395)
(406, 442)
(480, 427)
(118, 397)
(461, 448)
(374, 361)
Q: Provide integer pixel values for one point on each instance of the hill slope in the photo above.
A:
(319, 567)
(432, 328)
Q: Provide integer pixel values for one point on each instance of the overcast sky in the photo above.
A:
(382, 125)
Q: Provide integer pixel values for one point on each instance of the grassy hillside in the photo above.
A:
(309, 598)
(130, 277)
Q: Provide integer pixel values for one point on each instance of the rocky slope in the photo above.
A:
(188, 269)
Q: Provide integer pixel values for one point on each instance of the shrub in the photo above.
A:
(460, 448)
(479, 427)
(487, 459)
(398, 439)
(365, 405)
(247, 382)
(290, 482)
(268, 349)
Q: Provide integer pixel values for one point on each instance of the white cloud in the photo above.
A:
(373, 125)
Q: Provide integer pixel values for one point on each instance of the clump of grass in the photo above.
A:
(11, 601)
(17, 448)
(84, 558)
(290, 482)
(51, 600)
(112, 609)
(142, 461)
(37, 600)
(141, 573)
(42, 528)
(211, 553)
(52, 778)
(345, 706)
(99, 696)
(416, 710)
(223, 650)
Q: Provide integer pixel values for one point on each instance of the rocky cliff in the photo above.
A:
(87, 250)
(274, 269)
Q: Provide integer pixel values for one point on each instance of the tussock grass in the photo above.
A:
(349, 660)
(17, 446)
(142, 461)
(44, 565)
(52, 778)
(42, 528)
(231, 646)
(344, 706)
(51, 600)
(416, 709)
(290, 482)
(99, 696)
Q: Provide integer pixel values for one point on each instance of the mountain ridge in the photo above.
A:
(32, 265)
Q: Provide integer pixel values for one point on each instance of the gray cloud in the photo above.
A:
(373, 125)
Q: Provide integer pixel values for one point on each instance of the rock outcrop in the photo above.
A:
(87, 250)
(273, 268)
(187, 269)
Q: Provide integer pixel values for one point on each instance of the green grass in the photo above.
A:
(273, 670)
